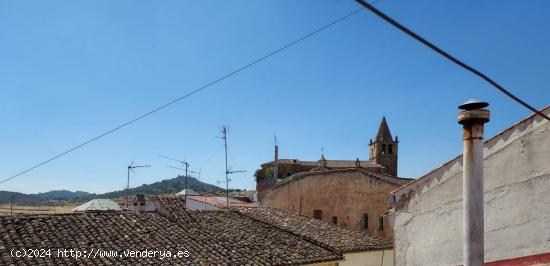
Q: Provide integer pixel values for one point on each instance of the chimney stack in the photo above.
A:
(472, 118)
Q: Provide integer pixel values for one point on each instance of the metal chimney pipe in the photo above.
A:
(472, 118)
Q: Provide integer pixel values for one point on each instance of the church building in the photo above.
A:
(383, 159)
(350, 193)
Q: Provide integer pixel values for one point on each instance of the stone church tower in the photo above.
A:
(383, 150)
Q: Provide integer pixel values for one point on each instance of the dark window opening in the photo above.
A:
(383, 148)
(135, 203)
(381, 223)
(390, 149)
(317, 214)
(365, 221)
(334, 220)
(142, 203)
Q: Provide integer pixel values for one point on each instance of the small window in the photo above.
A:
(334, 220)
(383, 148)
(317, 214)
(381, 223)
(390, 149)
(365, 221)
(142, 203)
(135, 203)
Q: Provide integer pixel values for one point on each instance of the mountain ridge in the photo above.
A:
(165, 186)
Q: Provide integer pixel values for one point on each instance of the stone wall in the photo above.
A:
(428, 222)
(344, 194)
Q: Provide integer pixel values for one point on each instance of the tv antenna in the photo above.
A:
(227, 171)
(131, 167)
(190, 171)
(184, 164)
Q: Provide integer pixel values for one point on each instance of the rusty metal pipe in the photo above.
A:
(473, 119)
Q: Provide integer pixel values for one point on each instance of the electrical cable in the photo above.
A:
(448, 56)
(209, 84)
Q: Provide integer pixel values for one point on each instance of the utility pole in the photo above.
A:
(472, 118)
(227, 172)
(131, 167)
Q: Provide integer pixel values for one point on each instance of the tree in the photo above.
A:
(263, 173)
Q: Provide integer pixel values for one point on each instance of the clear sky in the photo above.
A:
(71, 70)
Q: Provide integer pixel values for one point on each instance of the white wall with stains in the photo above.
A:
(428, 221)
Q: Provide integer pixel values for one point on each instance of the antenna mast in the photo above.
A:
(224, 132)
(131, 167)
(227, 172)
(186, 165)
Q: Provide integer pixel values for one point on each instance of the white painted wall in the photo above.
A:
(428, 227)
(197, 205)
(368, 258)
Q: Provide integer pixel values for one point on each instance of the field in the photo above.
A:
(45, 209)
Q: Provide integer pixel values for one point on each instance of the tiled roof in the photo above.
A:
(220, 201)
(245, 239)
(330, 163)
(99, 231)
(249, 241)
(98, 205)
(397, 181)
(222, 237)
(343, 163)
(334, 236)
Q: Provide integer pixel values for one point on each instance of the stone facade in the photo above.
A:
(428, 219)
(353, 198)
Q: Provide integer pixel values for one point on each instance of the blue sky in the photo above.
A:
(73, 69)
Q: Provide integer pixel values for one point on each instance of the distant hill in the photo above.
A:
(172, 185)
(40, 198)
(62, 195)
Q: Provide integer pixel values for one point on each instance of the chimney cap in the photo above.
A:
(473, 104)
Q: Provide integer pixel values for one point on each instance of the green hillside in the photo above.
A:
(172, 185)
(41, 198)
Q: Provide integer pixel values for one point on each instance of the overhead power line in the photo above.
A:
(209, 84)
(448, 56)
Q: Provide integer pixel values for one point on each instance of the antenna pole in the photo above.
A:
(226, 171)
(128, 188)
(131, 167)
(186, 190)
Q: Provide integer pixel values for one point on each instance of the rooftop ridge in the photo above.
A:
(376, 244)
(313, 241)
(379, 176)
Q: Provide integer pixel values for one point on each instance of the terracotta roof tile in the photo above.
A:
(337, 237)
(220, 201)
(221, 237)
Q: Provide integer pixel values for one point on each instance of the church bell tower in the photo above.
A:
(383, 150)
